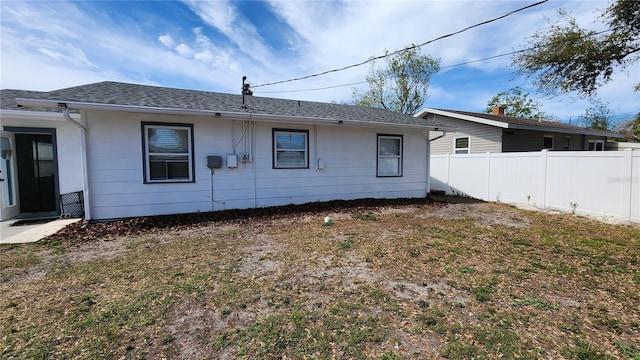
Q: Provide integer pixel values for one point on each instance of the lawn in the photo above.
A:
(390, 280)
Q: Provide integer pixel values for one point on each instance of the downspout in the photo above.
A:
(83, 159)
(65, 114)
(439, 136)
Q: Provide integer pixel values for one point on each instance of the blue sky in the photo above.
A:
(210, 45)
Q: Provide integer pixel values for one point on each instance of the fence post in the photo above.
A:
(543, 174)
(449, 192)
(489, 176)
(627, 183)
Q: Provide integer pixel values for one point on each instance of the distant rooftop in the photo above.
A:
(519, 122)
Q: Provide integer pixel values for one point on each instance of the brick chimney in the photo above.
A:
(497, 110)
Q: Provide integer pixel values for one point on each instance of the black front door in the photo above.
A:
(36, 172)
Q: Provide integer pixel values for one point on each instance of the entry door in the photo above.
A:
(8, 181)
(36, 172)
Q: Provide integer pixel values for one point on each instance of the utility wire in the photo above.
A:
(405, 49)
(442, 67)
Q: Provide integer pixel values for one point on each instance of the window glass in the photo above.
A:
(291, 149)
(595, 145)
(389, 155)
(168, 140)
(461, 145)
(599, 146)
(547, 142)
(168, 155)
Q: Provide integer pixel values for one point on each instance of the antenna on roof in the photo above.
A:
(246, 90)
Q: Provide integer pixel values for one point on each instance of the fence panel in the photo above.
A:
(469, 175)
(515, 178)
(593, 183)
(634, 191)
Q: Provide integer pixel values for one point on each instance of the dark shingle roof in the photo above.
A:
(8, 98)
(524, 123)
(124, 94)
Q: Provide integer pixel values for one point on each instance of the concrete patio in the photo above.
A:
(10, 233)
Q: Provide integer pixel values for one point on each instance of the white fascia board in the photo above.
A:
(210, 113)
(35, 115)
(478, 120)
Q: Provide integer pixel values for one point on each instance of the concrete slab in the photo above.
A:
(30, 233)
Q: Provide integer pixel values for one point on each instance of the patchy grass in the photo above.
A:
(409, 281)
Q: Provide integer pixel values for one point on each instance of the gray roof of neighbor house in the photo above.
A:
(511, 122)
(116, 96)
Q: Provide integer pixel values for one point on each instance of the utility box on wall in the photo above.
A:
(214, 162)
(232, 161)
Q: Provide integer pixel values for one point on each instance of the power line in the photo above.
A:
(442, 67)
(404, 49)
(314, 89)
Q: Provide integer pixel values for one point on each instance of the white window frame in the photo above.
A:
(276, 163)
(595, 145)
(553, 141)
(385, 157)
(461, 151)
(147, 155)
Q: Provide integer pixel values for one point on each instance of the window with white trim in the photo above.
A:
(567, 142)
(168, 152)
(595, 145)
(290, 149)
(547, 142)
(389, 155)
(461, 145)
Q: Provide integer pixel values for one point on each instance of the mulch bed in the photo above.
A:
(87, 231)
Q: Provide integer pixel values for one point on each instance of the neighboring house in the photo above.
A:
(496, 132)
(136, 150)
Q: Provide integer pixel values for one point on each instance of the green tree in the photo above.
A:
(402, 86)
(631, 128)
(568, 58)
(598, 116)
(516, 103)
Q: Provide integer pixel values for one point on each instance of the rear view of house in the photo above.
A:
(496, 132)
(135, 150)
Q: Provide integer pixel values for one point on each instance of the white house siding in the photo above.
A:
(67, 143)
(114, 146)
(485, 138)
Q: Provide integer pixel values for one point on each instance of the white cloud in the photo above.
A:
(184, 50)
(167, 40)
(223, 16)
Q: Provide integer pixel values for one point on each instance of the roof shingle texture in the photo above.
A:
(116, 93)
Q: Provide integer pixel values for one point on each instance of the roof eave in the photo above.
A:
(566, 131)
(75, 105)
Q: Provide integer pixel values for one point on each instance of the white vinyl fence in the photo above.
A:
(604, 183)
